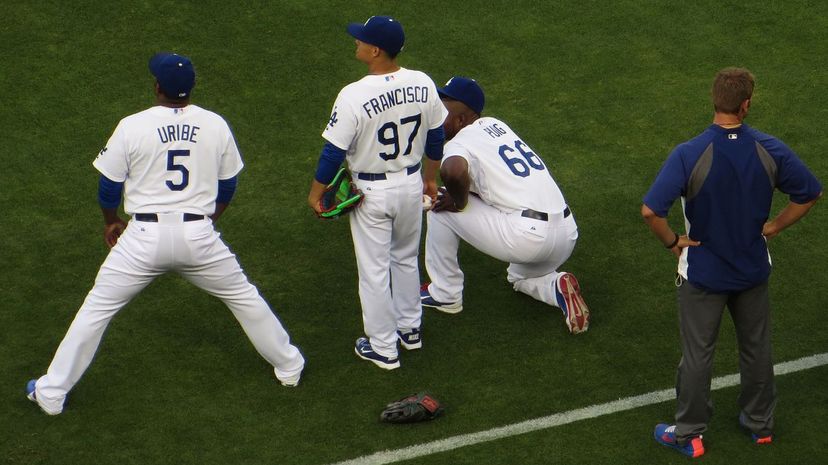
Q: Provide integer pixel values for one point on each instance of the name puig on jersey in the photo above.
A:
(494, 131)
(394, 97)
(178, 132)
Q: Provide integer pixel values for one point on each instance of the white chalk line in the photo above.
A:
(558, 419)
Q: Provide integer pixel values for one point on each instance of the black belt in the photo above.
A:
(529, 213)
(382, 177)
(153, 218)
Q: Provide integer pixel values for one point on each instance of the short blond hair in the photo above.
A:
(731, 87)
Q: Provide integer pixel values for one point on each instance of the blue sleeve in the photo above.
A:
(668, 185)
(109, 192)
(434, 143)
(226, 189)
(330, 160)
(793, 177)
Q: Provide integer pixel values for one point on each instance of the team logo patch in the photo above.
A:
(333, 120)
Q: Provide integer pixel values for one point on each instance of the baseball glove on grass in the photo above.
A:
(340, 196)
(416, 407)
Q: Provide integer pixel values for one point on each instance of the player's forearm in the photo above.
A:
(789, 215)
(458, 189)
(315, 195)
(659, 226)
(456, 179)
(220, 207)
(110, 215)
(430, 170)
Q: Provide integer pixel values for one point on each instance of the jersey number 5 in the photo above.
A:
(393, 139)
(173, 166)
(518, 166)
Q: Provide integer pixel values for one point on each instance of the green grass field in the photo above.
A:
(601, 90)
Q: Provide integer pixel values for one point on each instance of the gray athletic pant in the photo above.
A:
(700, 313)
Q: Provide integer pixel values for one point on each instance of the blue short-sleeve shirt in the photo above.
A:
(726, 179)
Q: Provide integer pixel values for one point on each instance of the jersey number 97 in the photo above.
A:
(389, 135)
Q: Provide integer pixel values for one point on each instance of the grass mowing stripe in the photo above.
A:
(558, 419)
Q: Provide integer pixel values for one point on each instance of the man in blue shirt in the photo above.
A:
(726, 177)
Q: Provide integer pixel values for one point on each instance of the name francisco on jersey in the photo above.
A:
(176, 132)
(394, 97)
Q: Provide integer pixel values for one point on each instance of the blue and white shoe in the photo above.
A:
(447, 307)
(410, 338)
(575, 310)
(364, 351)
(31, 394)
(666, 435)
(30, 390)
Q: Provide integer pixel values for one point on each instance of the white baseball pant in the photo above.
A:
(386, 232)
(147, 250)
(534, 249)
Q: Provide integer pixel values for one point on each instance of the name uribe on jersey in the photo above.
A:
(177, 132)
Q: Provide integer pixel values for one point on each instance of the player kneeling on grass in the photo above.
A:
(178, 164)
(500, 198)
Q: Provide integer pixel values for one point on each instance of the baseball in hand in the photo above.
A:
(427, 204)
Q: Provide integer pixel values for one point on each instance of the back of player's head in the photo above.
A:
(731, 87)
(464, 90)
(174, 73)
(382, 31)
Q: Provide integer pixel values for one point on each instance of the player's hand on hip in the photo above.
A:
(770, 230)
(683, 243)
(113, 231)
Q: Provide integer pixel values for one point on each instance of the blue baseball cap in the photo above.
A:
(384, 32)
(175, 74)
(464, 90)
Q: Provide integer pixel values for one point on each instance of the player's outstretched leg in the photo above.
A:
(258, 321)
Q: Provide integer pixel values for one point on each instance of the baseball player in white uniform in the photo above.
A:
(515, 213)
(383, 124)
(176, 164)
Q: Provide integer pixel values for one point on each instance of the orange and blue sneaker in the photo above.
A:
(757, 439)
(666, 435)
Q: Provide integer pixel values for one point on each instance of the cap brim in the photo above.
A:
(442, 93)
(357, 31)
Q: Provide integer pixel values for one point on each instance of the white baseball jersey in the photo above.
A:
(505, 172)
(170, 160)
(508, 177)
(381, 121)
(154, 152)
